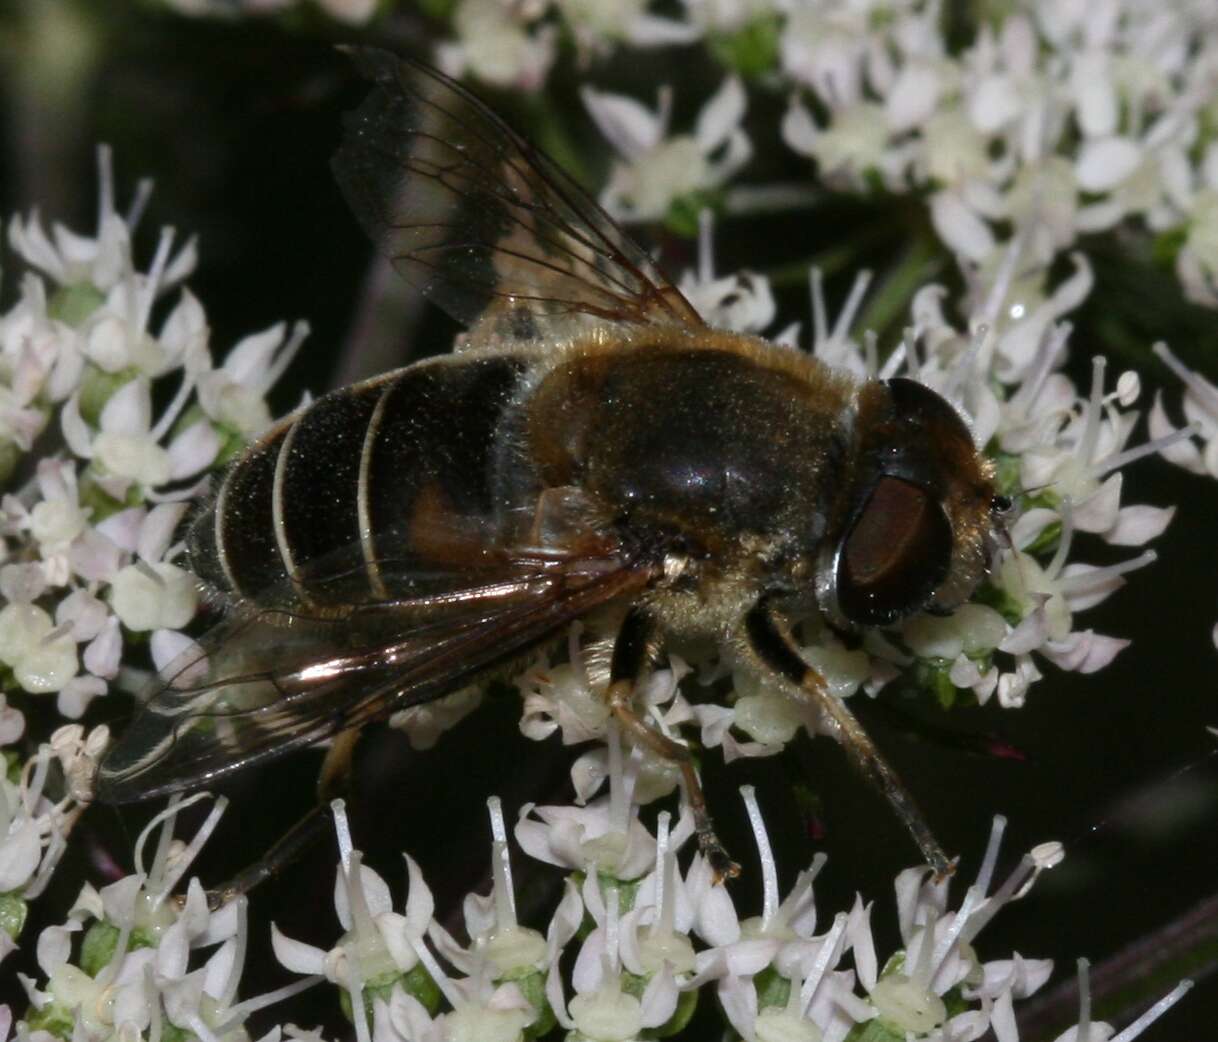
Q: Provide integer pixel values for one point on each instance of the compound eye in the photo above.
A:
(897, 552)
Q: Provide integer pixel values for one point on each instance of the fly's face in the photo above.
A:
(916, 517)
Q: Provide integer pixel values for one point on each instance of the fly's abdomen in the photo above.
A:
(365, 491)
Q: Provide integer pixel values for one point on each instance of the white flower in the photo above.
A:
(598, 23)
(496, 44)
(658, 171)
(742, 302)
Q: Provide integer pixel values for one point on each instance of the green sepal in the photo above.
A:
(532, 985)
(683, 213)
(1046, 541)
(10, 456)
(416, 982)
(687, 1003)
(13, 910)
(1167, 245)
(103, 505)
(773, 989)
(71, 305)
(1001, 601)
(751, 50)
(441, 10)
(52, 1018)
(874, 1030)
(97, 387)
(932, 676)
(100, 940)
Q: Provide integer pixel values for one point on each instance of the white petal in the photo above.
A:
(296, 955)
(1104, 163)
(660, 998)
(129, 409)
(960, 228)
(193, 450)
(799, 129)
(629, 127)
(721, 115)
(1095, 99)
(913, 97)
(1136, 525)
(76, 432)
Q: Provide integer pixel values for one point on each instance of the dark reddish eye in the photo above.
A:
(895, 554)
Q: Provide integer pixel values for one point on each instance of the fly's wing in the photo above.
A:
(482, 223)
(268, 681)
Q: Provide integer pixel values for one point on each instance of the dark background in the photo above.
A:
(236, 123)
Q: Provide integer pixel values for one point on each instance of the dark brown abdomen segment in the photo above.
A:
(369, 486)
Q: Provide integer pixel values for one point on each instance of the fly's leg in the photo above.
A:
(779, 659)
(629, 661)
(334, 780)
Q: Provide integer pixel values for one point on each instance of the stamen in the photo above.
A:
(252, 1005)
(706, 245)
(1084, 1000)
(1064, 540)
(826, 957)
(1095, 403)
(170, 880)
(237, 964)
(144, 299)
(143, 192)
(820, 320)
(201, 1030)
(105, 185)
(664, 906)
(1003, 278)
(1147, 448)
(1154, 1013)
(342, 831)
(148, 572)
(769, 870)
(619, 808)
(871, 353)
(986, 874)
(919, 968)
(284, 356)
(854, 300)
(501, 867)
(59, 631)
(1202, 388)
(171, 414)
(1051, 347)
(612, 928)
(423, 953)
(1082, 582)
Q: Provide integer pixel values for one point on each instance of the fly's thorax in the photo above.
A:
(708, 439)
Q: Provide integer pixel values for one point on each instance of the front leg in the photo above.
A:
(629, 661)
(777, 658)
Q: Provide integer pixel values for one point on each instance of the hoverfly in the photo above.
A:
(590, 442)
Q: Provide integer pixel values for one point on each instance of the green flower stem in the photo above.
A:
(889, 301)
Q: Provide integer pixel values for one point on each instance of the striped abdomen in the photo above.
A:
(388, 479)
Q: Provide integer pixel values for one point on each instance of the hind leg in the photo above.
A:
(629, 661)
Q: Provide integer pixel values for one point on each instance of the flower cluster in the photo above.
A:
(129, 960)
(648, 940)
(1064, 120)
(101, 480)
